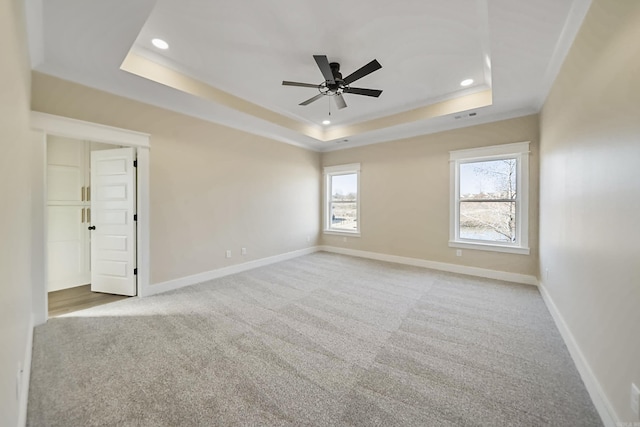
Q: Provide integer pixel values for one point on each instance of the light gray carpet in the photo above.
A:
(320, 340)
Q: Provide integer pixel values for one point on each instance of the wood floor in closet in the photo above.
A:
(77, 298)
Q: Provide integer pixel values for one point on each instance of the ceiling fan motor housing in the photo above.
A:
(337, 77)
(335, 69)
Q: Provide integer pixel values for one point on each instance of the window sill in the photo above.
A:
(490, 247)
(342, 233)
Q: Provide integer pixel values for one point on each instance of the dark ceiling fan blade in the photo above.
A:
(340, 102)
(286, 83)
(310, 100)
(361, 72)
(361, 91)
(325, 69)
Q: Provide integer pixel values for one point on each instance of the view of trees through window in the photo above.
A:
(343, 204)
(488, 200)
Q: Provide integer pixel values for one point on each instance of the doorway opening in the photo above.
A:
(111, 210)
(91, 229)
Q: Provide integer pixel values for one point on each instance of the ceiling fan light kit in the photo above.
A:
(334, 85)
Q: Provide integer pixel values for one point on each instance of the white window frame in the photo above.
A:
(329, 172)
(518, 151)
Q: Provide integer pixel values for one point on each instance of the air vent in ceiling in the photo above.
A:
(465, 115)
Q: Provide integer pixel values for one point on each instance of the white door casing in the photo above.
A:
(113, 206)
(45, 125)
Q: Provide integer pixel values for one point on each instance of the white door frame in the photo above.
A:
(48, 124)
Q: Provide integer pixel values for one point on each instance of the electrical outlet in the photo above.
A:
(635, 399)
(459, 252)
(228, 253)
(344, 239)
(308, 238)
(243, 251)
(546, 274)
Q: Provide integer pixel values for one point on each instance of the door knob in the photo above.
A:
(92, 227)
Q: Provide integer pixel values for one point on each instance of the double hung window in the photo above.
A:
(489, 198)
(342, 199)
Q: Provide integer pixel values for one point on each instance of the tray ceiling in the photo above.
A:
(226, 60)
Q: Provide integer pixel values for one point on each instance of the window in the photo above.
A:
(341, 199)
(489, 198)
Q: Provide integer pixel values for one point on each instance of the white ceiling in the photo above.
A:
(246, 48)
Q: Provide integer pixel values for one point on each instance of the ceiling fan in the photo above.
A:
(335, 85)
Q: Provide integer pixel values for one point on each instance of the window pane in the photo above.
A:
(344, 216)
(494, 179)
(344, 187)
(343, 204)
(491, 221)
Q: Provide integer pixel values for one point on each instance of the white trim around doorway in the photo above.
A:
(48, 124)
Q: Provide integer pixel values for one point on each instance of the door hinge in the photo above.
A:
(135, 163)
(135, 271)
(135, 217)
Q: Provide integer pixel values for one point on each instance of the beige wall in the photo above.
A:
(15, 213)
(212, 188)
(404, 195)
(590, 196)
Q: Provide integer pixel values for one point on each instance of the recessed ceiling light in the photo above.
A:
(466, 82)
(326, 122)
(160, 44)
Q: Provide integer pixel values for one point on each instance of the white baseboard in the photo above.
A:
(26, 377)
(442, 266)
(224, 271)
(598, 397)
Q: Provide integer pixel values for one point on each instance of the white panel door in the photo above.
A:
(113, 229)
